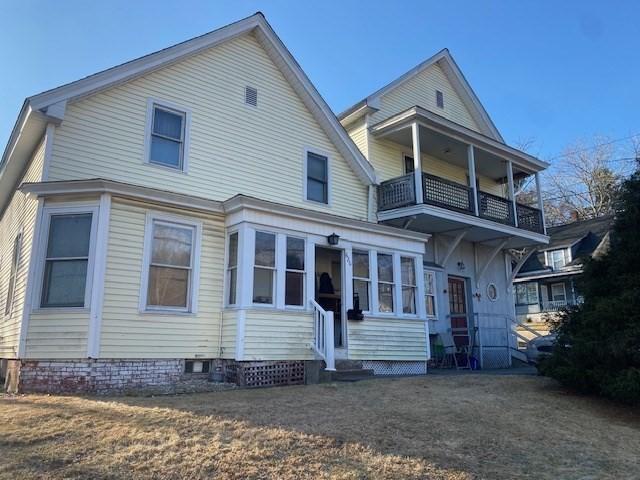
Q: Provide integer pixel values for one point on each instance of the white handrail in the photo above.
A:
(323, 335)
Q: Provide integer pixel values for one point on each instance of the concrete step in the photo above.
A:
(351, 375)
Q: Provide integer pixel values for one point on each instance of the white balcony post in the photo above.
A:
(540, 202)
(417, 162)
(329, 349)
(471, 161)
(512, 195)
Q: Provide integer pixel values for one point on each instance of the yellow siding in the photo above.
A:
(358, 133)
(387, 159)
(387, 339)
(278, 335)
(57, 335)
(127, 333)
(229, 330)
(421, 91)
(20, 214)
(235, 148)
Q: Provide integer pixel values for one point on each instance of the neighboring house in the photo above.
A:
(202, 207)
(546, 283)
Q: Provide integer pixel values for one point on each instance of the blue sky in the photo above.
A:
(545, 70)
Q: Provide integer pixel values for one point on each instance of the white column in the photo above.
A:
(246, 247)
(540, 202)
(471, 164)
(310, 269)
(348, 277)
(373, 275)
(417, 162)
(512, 195)
(281, 265)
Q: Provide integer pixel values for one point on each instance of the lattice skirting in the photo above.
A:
(395, 367)
(266, 373)
(496, 357)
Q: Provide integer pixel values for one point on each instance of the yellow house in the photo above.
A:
(202, 208)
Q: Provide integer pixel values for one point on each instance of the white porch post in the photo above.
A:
(540, 202)
(471, 164)
(512, 195)
(417, 162)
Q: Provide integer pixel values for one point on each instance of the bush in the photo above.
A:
(598, 346)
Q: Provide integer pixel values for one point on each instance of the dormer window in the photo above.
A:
(439, 99)
(557, 258)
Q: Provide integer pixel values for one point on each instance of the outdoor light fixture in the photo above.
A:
(461, 266)
(333, 239)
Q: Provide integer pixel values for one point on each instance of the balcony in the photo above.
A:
(400, 192)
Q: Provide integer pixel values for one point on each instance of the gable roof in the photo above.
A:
(586, 238)
(458, 81)
(50, 106)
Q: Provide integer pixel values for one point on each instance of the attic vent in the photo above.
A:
(439, 99)
(251, 96)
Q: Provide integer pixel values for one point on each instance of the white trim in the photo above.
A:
(471, 166)
(16, 251)
(186, 135)
(241, 322)
(417, 162)
(31, 278)
(434, 273)
(70, 208)
(275, 292)
(99, 273)
(48, 150)
(305, 158)
(227, 252)
(194, 280)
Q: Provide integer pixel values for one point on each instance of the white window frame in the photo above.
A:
(186, 133)
(286, 270)
(227, 257)
(431, 273)
(14, 267)
(322, 153)
(45, 222)
(393, 283)
(564, 291)
(194, 283)
(414, 286)
(274, 270)
(363, 251)
(549, 258)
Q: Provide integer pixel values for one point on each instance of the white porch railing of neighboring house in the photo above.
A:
(554, 305)
(323, 335)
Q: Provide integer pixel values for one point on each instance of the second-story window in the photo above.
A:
(167, 137)
(409, 166)
(317, 178)
(557, 258)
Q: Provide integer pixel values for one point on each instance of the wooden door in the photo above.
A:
(458, 312)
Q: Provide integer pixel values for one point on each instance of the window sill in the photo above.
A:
(44, 310)
(166, 168)
(178, 313)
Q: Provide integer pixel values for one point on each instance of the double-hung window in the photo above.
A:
(527, 293)
(171, 258)
(167, 136)
(15, 261)
(385, 283)
(317, 186)
(558, 292)
(264, 270)
(232, 269)
(294, 274)
(66, 263)
(430, 292)
(361, 279)
(409, 287)
(557, 258)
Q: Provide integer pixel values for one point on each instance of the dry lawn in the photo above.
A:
(453, 427)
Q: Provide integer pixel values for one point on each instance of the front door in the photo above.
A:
(329, 288)
(459, 317)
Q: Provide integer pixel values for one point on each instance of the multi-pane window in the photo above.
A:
(409, 287)
(385, 283)
(557, 258)
(430, 293)
(232, 269)
(294, 275)
(167, 137)
(317, 178)
(66, 260)
(171, 266)
(527, 293)
(15, 260)
(264, 270)
(361, 279)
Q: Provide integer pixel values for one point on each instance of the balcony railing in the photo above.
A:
(400, 192)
